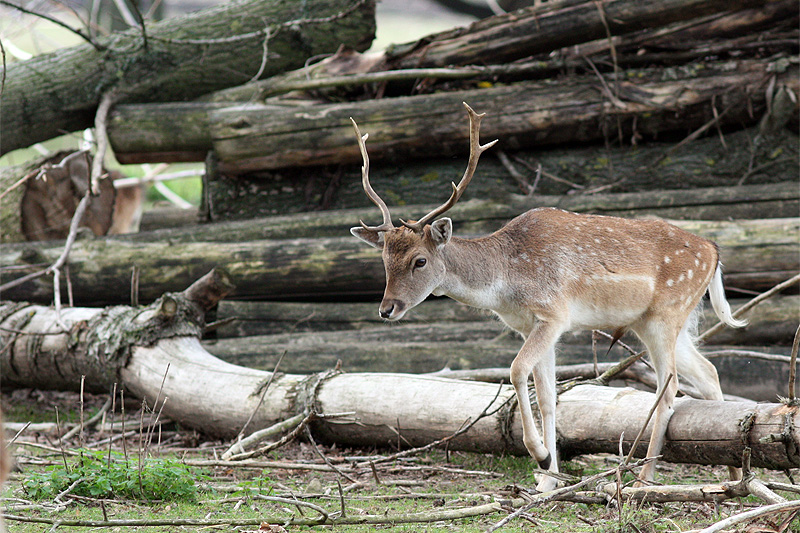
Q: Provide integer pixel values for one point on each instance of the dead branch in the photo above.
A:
(749, 305)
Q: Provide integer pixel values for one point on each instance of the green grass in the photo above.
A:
(99, 474)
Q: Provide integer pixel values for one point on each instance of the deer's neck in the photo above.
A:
(476, 272)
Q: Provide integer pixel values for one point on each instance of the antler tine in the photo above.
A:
(387, 218)
(475, 151)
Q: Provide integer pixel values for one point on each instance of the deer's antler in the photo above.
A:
(387, 218)
(475, 151)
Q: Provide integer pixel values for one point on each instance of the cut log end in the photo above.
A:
(207, 291)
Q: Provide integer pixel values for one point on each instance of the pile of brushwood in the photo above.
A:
(681, 109)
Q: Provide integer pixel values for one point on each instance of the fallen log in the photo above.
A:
(154, 352)
(773, 322)
(740, 373)
(703, 163)
(757, 255)
(177, 59)
(736, 33)
(253, 136)
(553, 25)
(482, 215)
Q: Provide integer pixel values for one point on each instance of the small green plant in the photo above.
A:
(100, 475)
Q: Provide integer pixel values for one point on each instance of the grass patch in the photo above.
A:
(97, 474)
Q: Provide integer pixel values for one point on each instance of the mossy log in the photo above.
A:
(774, 200)
(254, 136)
(174, 60)
(757, 255)
(218, 398)
(744, 158)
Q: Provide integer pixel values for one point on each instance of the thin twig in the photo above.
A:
(694, 135)
(108, 99)
(544, 497)
(653, 408)
(793, 505)
(263, 394)
(464, 428)
(97, 46)
(324, 457)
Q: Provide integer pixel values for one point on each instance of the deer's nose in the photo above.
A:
(391, 309)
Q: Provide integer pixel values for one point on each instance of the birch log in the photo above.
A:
(142, 348)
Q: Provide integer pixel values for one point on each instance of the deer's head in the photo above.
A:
(412, 253)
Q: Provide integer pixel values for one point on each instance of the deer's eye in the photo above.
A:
(421, 262)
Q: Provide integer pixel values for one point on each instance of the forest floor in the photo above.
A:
(181, 485)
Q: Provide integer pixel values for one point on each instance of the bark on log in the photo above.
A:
(179, 59)
(738, 33)
(757, 253)
(255, 137)
(550, 26)
(705, 162)
(218, 398)
(774, 200)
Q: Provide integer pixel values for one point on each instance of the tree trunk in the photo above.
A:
(551, 26)
(145, 350)
(773, 200)
(703, 163)
(757, 254)
(256, 137)
(177, 59)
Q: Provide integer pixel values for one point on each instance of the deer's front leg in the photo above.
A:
(538, 356)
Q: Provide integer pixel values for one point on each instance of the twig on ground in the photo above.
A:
(324, 457)
(257, 436)
(544, 497)
(722, 525)
(464, 428)
(409, 518)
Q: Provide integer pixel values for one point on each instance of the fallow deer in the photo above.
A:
(550, 271)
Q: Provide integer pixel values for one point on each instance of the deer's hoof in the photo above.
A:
(544, 464)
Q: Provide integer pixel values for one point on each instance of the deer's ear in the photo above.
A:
(441, 231)
(373, 238)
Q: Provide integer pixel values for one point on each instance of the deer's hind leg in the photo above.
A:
(701, 373)
(660, 337)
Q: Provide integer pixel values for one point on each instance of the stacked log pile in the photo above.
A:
(683, 109)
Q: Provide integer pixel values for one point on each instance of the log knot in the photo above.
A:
(305, 395)
(113, 333)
